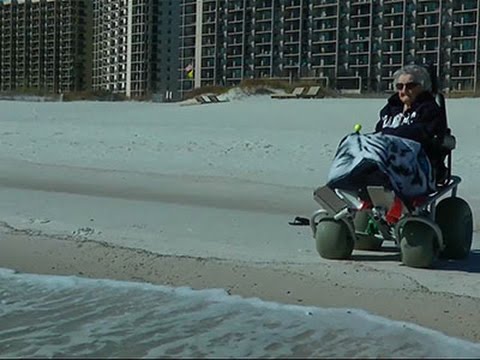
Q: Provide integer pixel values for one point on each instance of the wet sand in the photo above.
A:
(318, 285)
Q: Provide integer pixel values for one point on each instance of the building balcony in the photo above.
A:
(236, 21)
(324, 66)
(235, 46)
(360, 41)
(392, 40)
(393, 14)
(427, 24)
(235, 33)
(358, 66)
(464, 11)
(325, 30)
(359, 53)
(463, 51)
(323, 42)
(360, 27)
(393, 65)
(291, 66)
(323, 6)
(262, 67)
(323, 54)
(263, 43)
(389, 26)
(262, 20)
(429, 51)
(461, 77)
(260, 55)
(427, 12)
(291, 30)
(463, 64)
(324, 18)
(460, 24)
(292, 6)
(420, 38)
(236, 9)
(392, 52)
(208, 67)
(360, 16)
(291, 19)
(264, 8)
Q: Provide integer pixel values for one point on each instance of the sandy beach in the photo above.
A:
(201, 196)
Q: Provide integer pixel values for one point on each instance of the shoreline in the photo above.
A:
(299, 284)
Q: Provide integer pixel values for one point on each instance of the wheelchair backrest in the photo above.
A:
(448, 143)
(440, 99)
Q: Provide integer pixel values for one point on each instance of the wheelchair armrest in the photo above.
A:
(449, 142)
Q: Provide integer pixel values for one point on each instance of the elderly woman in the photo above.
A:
(412, 112)
(400, 153)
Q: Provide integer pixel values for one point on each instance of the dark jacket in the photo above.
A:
(424, 122)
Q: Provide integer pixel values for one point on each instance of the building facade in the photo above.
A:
(135, 47)
(44, 45)
(164, 59)
(120, 50)
(351, 44)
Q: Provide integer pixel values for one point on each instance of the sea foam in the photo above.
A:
(46, 316)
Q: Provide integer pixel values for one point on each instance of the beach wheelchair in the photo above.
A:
(439, 225)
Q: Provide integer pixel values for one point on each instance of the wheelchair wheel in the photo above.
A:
(333, 239)
(418, 245)
(364, 241)
(454, 217)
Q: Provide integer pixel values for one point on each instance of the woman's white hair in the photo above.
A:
(419, 74)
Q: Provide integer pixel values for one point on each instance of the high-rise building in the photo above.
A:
(120, 46)
(164, 60)
(44, 45)
(135, 47)
(351, 44)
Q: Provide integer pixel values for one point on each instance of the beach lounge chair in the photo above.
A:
(213, 98)
(206, 99)
(296, 93)
(200, 99)
(311, 93)
(221, 99)
(203, 99)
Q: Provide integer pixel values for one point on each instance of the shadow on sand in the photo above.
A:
(471, 264)
(391, 253)
(387, 253)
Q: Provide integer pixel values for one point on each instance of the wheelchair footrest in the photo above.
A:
(380, 197)
(329, 200)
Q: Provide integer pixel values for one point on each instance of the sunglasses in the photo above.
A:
(408, 86)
